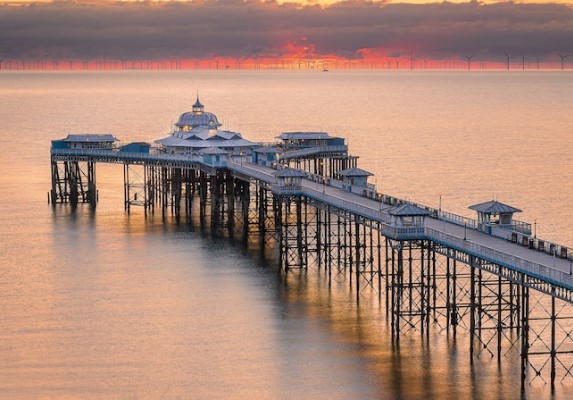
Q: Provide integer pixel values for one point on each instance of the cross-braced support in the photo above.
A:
(293, 249)
(411, 286)
(547, 339)
(135, 186)
(73, 182)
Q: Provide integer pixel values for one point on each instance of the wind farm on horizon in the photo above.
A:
(558, 61)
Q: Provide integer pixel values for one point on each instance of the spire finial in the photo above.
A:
(198, 107)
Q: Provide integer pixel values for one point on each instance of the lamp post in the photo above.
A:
(465, 229)
(535, 228)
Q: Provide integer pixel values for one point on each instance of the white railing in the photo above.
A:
(83, 151)
(121, 155)
(313, 150)
(346, 205)
(286, 189)
(401, 233)
(453, 218)
(395, 232)
(434, 213)
(538, 270)
(521, 227)
(247, 170)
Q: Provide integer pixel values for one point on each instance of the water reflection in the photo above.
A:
(110, 305)
(434, 366)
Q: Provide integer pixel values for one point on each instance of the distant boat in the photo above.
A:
(325, 70)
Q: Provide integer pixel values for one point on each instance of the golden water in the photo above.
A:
(106, 305)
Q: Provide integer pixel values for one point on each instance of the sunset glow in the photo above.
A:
(238, 34)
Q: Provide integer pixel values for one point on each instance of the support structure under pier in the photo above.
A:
(425, 285)
(73, 182)
(428, 287)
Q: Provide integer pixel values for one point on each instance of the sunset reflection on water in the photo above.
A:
(108, 304)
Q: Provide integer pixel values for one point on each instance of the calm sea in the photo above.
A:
(110, 305)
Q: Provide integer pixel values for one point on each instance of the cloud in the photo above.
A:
(248, 29)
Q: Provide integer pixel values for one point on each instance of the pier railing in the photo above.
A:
(540, 271)
(313, 150)
(346, 205)
(451, 217)
(248, 170)
(125, 155)
(519, 232)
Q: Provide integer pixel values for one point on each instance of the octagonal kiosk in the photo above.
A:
(355, 176)
(493, 215)
(355, 180)
(289, 181)
(408, 221)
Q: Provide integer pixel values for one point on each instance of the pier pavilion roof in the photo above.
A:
(202, 140)
(494, 207)
(268, 149)
(290, 173)
(213, 151)
(89, 137)
(405, 210)
(198, 130)
(355, 172)
(197, 117)
(303, 135)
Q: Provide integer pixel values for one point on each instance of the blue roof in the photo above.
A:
(197, 119)
(494, 207)
(355, 172)
(303, 135)
(290, 173)
(198, 103)
(407, 210)
(90, 137)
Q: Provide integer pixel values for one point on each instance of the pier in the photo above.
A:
(305, 197)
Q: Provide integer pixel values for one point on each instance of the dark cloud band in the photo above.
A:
(249, 29)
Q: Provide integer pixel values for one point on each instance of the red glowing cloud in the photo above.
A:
(236, 32)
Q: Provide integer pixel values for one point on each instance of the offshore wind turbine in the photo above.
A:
(508, 58)
(469, 58)
(523, 61)
(563, 57)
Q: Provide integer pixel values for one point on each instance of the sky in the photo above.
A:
(355, 30)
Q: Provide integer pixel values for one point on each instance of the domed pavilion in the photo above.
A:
(198, 130)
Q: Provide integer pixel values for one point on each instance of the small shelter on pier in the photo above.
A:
(408, 215)
(214, 156)
(299, 140)
(289, 180)
(355, 176)
(266, 155)
(493, 213)
(85, 141)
